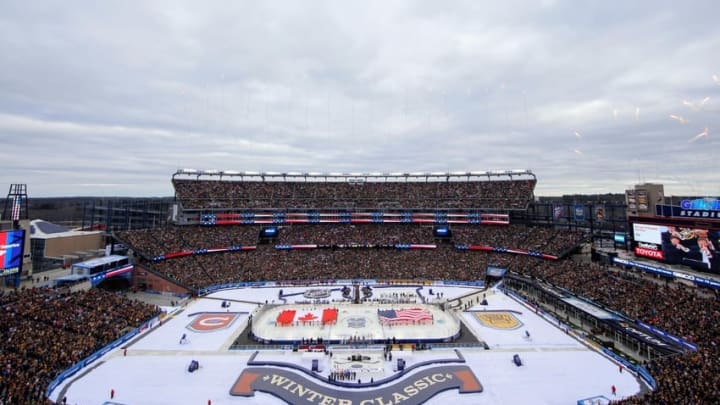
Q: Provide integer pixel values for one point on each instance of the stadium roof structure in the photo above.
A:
(39, 226)
(352, 175)
(42, 229)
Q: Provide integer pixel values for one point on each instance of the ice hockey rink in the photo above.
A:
(557, 368)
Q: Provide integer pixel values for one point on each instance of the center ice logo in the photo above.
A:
(356, 322)
(498, 320)
(211, 322)
(298, 389)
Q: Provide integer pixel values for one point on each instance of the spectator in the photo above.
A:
(45, 331)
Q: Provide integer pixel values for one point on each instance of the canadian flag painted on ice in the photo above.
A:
(309, 316)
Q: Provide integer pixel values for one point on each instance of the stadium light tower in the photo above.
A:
(16, 204)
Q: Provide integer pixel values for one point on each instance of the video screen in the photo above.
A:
(693, 247)
(442, 232)
(496, 271)
(269, 232)
(11, 251)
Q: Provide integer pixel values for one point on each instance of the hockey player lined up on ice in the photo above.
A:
(527, 334)
(183, 339)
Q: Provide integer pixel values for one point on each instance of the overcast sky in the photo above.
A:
(111, 98)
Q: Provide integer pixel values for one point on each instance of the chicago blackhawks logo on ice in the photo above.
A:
(211, 321)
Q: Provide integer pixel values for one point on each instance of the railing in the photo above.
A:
(641, 371)
(244, 347)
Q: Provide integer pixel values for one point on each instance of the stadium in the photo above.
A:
(375, 288)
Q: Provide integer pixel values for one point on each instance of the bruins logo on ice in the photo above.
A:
(498, 320)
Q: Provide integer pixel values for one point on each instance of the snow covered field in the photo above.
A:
(557, 369)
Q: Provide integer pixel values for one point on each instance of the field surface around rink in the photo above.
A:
(557, 369)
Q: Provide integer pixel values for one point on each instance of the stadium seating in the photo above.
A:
(61, 337)
(391, 194)
(688, 312)
(265, 263)
(45, 331)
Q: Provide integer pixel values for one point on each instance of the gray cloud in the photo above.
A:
(112, 98)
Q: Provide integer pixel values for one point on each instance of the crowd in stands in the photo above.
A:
(49, 330)
(348, 234)
(202, 270)
(319, 194)
(689, 378)
(266, 263)
(349, 251)
(540, 239)
(690, 313)
(171, 239)
(45, 331)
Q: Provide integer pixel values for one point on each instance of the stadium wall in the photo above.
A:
(144, 279)
(59, 246)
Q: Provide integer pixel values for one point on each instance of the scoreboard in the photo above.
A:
(667, 242)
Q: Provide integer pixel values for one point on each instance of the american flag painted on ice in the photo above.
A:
(404, 315)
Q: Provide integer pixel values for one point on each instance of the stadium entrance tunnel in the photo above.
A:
(115, 284)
